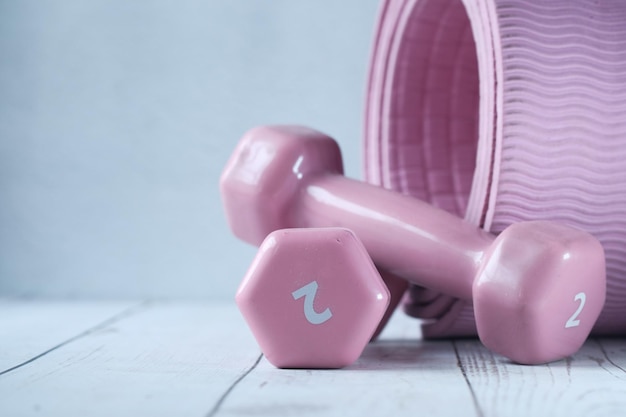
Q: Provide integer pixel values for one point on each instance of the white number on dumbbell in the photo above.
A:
(573, 321)
(308, 292)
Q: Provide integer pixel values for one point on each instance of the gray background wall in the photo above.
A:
(117, 117)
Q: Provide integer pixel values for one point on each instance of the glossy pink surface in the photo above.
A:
(299, 185)
(539, 291)
(312, 298)
(263, 178)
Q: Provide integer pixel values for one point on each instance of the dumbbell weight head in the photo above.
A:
(265, 174)
(539, 290)
(312, 298)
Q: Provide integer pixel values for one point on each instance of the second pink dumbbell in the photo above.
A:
(537, 288)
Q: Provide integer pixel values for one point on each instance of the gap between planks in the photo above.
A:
(117, 317)
(164, 359)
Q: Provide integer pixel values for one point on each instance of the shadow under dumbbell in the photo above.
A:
(418, 354)
(407, 354)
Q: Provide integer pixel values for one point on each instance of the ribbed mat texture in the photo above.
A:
(503, 111)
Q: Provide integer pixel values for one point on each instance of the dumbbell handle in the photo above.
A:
(403, 235)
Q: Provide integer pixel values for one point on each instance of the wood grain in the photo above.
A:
(164, 360)
(30, 328)
(589, 383)
(191, 359)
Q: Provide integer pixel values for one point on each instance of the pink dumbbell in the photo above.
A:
(312, 298)
(537, 288)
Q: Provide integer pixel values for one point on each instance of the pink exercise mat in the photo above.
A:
(504, 111)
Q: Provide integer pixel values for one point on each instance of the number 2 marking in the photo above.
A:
(573, 321)
(308, 292)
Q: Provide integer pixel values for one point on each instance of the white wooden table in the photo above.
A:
(190, 359)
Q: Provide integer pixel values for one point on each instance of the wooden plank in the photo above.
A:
(397, 375)
(167, 359)
(201, 360)
(589, 383)
(28, 327)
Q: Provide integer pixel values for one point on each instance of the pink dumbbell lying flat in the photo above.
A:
(537, 288)
(312, 298)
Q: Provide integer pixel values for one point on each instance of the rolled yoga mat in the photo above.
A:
(502, 111)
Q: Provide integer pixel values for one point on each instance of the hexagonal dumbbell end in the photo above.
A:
(312, 298)
(265, 173)
(539, 291)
